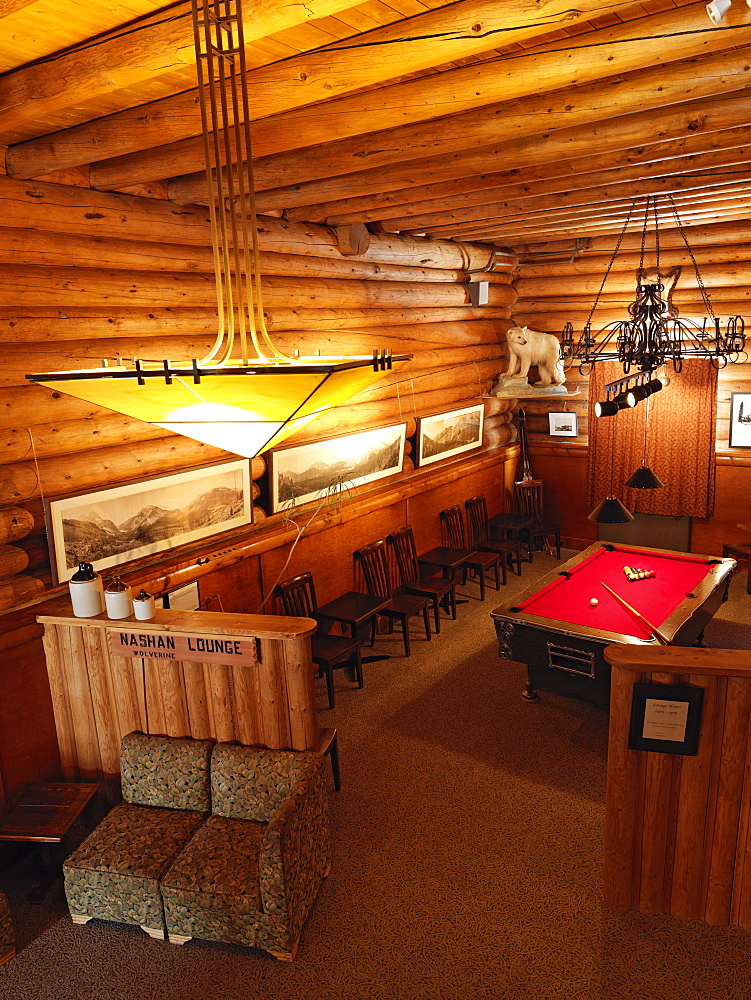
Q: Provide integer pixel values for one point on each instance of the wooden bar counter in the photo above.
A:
(175, 675)
(678, 828)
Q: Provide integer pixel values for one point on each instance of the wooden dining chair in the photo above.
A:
(511, 525)
(452, 535)
(509, 549)
(437, 589)
(373, 560)
(530, 494)
(298, 598)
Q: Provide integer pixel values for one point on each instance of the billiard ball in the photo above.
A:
(594, 602)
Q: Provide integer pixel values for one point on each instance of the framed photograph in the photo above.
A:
(313, 471)
(666, 718)
(447, 434)
(110, 527)
(563, 424)
(740, 420)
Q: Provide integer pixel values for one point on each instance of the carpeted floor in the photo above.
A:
(467, 859)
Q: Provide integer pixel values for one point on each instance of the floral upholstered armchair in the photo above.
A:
(7, 938)
(115, 873)
(250, 874)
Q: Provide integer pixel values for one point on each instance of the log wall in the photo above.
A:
(557, 283)
(86, 275)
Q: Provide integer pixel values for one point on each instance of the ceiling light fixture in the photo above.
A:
(654, 334)
(245, 396)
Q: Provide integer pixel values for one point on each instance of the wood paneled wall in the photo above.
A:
(86, 275)
(557, 283)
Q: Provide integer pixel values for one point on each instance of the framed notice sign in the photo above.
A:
(665, 718)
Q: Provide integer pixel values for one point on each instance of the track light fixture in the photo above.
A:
(627, 392)
(717, 10)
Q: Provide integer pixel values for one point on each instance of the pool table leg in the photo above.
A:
(530, 691)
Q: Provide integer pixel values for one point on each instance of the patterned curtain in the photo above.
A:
(680, 443)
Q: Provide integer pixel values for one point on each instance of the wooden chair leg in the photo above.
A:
(328, 744)
(405, 635)
(426, 619)
(329, 671)
(436, 615)
(481, 575)
(500, 564)
(358, 668)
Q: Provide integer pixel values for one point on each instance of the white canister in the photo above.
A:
(86, 592)
(118, 599)
(144, 607)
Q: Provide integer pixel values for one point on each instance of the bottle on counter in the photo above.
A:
(144, 606)
(86, 591)
(118, 599)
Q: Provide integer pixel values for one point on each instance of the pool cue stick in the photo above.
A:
(638, 615)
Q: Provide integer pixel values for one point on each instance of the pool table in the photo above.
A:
(556, 630)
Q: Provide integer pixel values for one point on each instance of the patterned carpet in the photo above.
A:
(467, 859)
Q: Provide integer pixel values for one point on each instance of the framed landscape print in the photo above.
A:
(447, 434)
(563, 424)
(740, 420)
(312, 471)
(110, 527)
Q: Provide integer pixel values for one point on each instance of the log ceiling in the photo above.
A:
(512, 123)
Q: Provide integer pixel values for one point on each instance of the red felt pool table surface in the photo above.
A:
(567, 598)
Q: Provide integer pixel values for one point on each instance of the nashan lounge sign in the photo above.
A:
(197, 648)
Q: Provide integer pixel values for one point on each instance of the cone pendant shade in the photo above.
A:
(644, 479)
(611, 511)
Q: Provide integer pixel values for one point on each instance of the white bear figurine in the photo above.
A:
(531, 347)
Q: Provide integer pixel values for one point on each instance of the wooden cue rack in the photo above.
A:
(678, 828)
(98, 694)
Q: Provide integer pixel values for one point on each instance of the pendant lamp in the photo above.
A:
(245, 396)
(611, 510)
(644, 478)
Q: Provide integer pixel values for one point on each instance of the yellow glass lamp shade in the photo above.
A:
(241, 408)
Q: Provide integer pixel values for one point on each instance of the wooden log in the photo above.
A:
(46, 287)
(58, 209)
(421, 380)
(15, 523)
(44, 249)
(678, 155)
(17, 590)
(622, 47)
(12, 560)
(20, 325)
(113, 465)
(719, 275)
(115, 63)
(440, 36)
(563, 138)
(628, 261)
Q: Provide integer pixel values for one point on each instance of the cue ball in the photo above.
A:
(594, 602)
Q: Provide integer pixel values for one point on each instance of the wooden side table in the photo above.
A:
(42, 814)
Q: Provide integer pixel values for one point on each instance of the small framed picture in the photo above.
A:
(740, 420)
(666, 718)
(563, 424)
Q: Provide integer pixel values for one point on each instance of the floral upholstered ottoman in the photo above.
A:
(7, 938)
(115, 873)
(251, 873)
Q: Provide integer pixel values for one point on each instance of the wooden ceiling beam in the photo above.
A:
(630, 185)
(715, 235)
(461, 29)
(620, 49)
(125, 59)
(514, 235)
(645, 160)
(646, 117)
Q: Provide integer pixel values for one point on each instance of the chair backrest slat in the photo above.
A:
(529, 493)
(477, 520)
(375, 568)
(403, 543)
(298, 596)
(452, 527)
